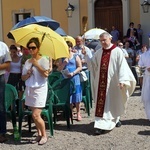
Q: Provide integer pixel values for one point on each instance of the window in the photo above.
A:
(21, 14)
(19, 17)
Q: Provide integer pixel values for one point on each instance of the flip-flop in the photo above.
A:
(37, 139)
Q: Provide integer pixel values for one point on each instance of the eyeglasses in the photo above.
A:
(120, 45)
(32, 47)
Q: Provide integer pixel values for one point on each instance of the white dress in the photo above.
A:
(145, 95)
(118, 72)
(36, 84)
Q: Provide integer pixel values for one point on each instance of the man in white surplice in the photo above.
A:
(112, 84)
(144, 62)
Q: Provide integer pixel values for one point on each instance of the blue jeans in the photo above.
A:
(2, 106)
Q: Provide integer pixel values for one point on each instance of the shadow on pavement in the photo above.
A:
(146, 132)
(83, 128)
(136, 94)
(25, 138)
(138, 122)
(137, 91)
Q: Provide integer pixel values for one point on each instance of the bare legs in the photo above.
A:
(39, 122)
(79, 118)
(78, 112)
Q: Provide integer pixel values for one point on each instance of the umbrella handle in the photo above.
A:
(43, 37)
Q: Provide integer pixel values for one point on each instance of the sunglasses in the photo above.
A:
(32, 47)
(120, 45)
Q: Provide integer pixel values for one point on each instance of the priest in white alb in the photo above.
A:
(112, 84)
(144, 62)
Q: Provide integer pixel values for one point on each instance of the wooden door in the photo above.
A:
(109, 13)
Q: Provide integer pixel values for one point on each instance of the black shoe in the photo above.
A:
(3, 138)
(99, 132)
(118, 124)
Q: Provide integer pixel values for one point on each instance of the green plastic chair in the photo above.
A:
(23, 110)
(47, 112)
(11, 96)
(91, 99)
(54, 76)
(62, 90)
(86, 95)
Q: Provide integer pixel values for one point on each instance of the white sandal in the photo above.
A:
(43, 140)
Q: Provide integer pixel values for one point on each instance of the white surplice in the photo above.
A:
(145, 95)
(118, 72)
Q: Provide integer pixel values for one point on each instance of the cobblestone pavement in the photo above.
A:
(134, 134)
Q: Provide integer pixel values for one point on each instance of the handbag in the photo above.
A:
(65, 72)
(83, 76)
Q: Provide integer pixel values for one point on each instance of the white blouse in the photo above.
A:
(36, 79)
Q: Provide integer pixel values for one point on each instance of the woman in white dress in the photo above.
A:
(35, 73)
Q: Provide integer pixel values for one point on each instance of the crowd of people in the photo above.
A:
(112, 66)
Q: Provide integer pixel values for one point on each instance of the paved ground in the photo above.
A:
(134, 134)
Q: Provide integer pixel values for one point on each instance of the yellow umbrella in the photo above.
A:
(70, 38)
(52, 44)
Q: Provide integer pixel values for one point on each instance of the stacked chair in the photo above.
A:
(62, 90)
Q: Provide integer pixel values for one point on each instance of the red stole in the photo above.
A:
(103, 81)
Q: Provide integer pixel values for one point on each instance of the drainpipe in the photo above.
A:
(1, 25)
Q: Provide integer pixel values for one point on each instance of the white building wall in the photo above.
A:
(145, 22)
(126, 12)
(74, 21)
(45, 8)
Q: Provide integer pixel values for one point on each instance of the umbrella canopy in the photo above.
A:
(60, 31)
(94, 44)
(52, 44)
(70, 38)
(41, 20)
(93, 33)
